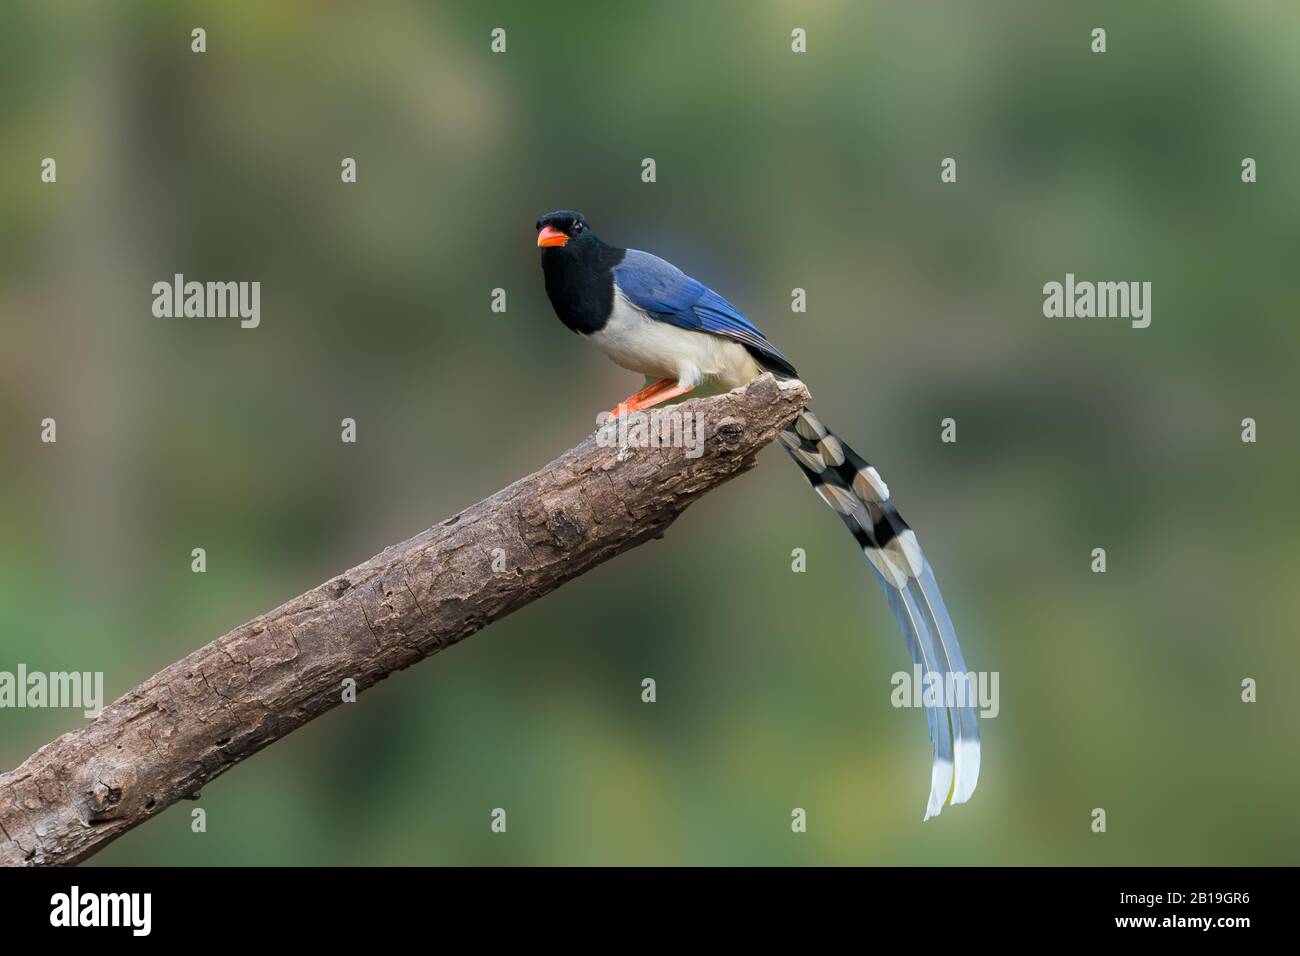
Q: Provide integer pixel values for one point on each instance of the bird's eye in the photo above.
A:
(577, 227)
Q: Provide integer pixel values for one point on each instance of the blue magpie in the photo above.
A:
(650, 317)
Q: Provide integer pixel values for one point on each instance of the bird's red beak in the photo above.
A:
(550, 236)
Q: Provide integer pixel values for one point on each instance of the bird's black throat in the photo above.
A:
(580, 282)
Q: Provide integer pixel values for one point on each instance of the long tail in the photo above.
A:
(860, 497)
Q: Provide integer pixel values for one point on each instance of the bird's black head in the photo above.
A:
(559, 229)
(578, 268)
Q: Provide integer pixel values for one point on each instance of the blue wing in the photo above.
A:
(670, 295)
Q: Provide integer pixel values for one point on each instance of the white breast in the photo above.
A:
(642, 344)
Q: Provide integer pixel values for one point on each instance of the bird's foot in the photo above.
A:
(633, 402)
(659, 393)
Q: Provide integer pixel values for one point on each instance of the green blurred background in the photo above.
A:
(775, 170)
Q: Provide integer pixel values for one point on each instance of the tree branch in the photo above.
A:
(189, 723)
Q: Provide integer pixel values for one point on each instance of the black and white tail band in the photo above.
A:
(857, 493)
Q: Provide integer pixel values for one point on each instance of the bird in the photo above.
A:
(650, 317)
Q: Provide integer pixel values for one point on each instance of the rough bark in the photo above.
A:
(189, 723)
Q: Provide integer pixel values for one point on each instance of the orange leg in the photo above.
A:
(633, 402)
(659, 397)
